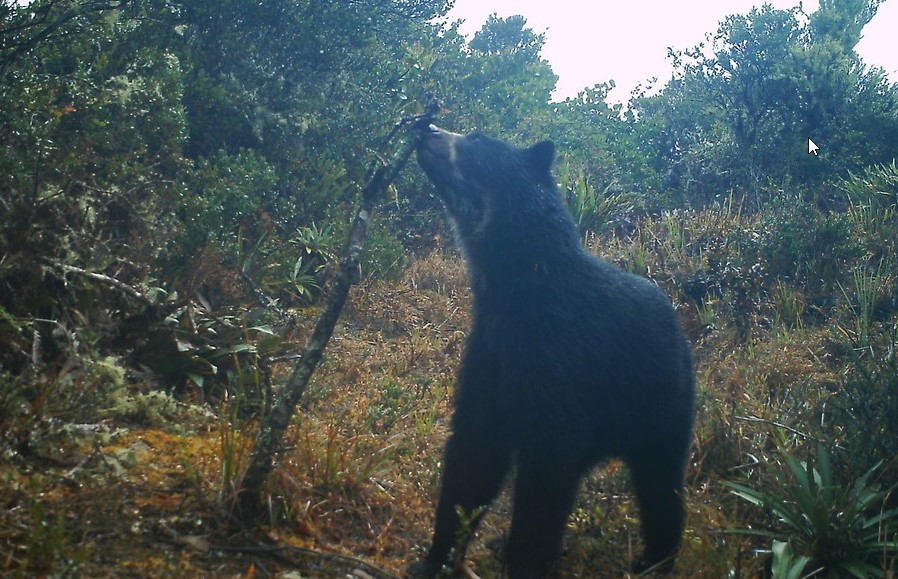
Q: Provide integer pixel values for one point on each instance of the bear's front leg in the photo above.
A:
(544, 493)
(476, 460)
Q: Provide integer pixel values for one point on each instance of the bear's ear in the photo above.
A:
(541, 155)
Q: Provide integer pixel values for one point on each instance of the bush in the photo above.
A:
(844, 529)
(864, 412)
(801, 243)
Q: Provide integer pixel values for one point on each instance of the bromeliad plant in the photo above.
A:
(843, 531)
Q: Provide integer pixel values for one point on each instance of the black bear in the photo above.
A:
(570, 361)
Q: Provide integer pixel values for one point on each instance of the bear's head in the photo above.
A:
(479, 178)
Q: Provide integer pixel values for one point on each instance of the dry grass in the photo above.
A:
(360, 470)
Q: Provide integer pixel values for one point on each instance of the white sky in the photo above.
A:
(627, 40)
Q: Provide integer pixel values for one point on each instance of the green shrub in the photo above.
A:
(876, 186)
(863, 413)
(385, 257)
(846, 530)
(799, 242)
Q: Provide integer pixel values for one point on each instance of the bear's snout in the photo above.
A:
(436, 148)
(434, 145)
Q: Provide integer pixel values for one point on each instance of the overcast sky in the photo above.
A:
(588, 43)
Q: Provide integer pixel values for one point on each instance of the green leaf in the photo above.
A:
(266, 329)
(784, 565)
(860, 569)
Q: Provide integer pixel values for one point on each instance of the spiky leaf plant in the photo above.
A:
(847, 531)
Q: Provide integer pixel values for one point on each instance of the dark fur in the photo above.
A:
(570, 361)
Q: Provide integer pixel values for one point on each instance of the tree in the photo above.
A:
(498, 82)
(842, 21)
(26, 25)
(745, 107)
(276, 421)
(160, 127)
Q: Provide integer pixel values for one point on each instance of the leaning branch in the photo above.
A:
(275, 423)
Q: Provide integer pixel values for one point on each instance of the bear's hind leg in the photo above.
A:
(659, 491)
(545, 490)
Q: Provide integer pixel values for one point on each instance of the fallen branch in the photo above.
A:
(298, 558)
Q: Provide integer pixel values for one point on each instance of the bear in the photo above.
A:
(570, 361)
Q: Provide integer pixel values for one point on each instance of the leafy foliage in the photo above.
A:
(744, 105)
(844, 529)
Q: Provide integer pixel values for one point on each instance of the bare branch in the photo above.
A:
(102, 278)
(275, 423)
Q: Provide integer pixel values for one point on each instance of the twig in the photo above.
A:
(102, 278)
(263, 298)
(778, 425)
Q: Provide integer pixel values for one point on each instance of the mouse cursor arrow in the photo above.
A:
(812, 147)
